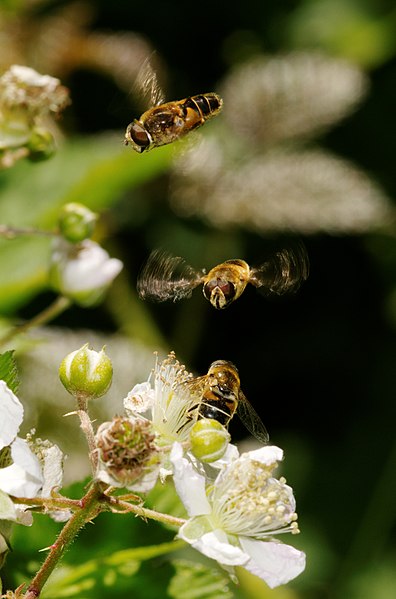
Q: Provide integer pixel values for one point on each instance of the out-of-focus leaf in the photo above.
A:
(163, 498)
(8, 370)
(360, 31)
(252, 587)
(198, 581)
(92, 171)
(23, 266)
(90, 577)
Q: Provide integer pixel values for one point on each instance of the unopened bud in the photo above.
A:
(41, 145)
(127, 450)
(76, 222)
(209, 440)
(86, 373)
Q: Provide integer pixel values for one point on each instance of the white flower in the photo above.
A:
(166, 402)
(82, 271)
(234, 519)
(25, 97)
(23, 476)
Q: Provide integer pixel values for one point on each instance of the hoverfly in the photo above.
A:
(219, 396)
(163, 122)
(166, 277)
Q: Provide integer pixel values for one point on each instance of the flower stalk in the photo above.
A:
(92, 506)
(49, 313)
(87, 428)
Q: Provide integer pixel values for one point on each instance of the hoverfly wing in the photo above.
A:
(166, 277)
(195, 387)
(147, 87)
(283, 272)
(251, 419)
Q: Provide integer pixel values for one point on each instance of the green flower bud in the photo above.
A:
(86, 373)
(41, 144)
(76, 222)
(209, 440)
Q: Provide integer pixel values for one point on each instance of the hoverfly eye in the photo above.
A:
(219, 286)
(139, 136)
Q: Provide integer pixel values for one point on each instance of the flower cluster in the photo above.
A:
(235, 504)
(26, 98)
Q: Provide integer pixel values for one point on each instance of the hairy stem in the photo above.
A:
(87, 428)
(92, 505)
(145, 513)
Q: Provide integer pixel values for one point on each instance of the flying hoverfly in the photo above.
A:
(219, 396)
(163, 122)
(166, 277)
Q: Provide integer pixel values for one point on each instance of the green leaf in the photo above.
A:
(198, 581)
(9, 371)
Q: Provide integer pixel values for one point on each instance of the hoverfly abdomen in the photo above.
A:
(216, 409)
(206, 105)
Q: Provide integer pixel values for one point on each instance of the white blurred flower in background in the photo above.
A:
(256, 169)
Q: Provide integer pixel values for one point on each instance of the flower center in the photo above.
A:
(248, 501)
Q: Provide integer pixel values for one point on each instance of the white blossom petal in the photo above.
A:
(230, 455)
(11, 415)
(7, 508)
(274, 562)
(215, 545)
(267, 455)
(23, 478)
(52, 459)
(190, 485)
(139, 399)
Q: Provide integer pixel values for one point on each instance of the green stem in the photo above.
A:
(52, 311)
(146, 513)
(49, 503)
(92, 506)
(13, 232)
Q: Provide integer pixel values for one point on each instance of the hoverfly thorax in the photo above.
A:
(224, 375)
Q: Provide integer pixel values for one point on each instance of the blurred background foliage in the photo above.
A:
(304, 148)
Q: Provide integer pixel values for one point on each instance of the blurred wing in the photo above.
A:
(166, 277)
(251, 419)
(196, 387)
(147, 86)
(283, 272)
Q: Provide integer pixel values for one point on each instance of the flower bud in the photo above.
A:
(76, 222)
(209, 440)
(127, 451)
(82, 272)
(86, 373)
(41, 144)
